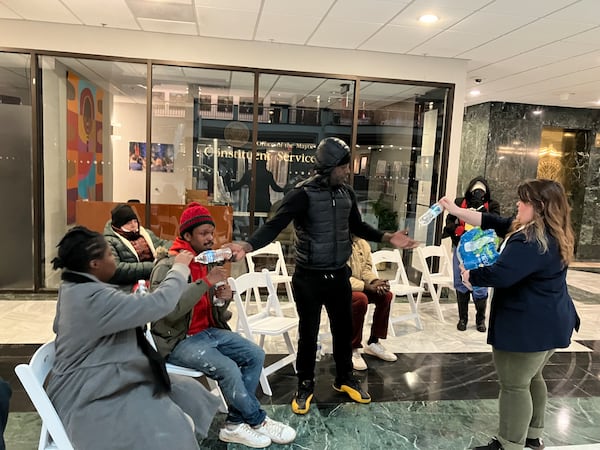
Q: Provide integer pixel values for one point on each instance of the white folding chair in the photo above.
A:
(268, 322)
(193, 373)
(399, 286)
(32, 376)
(435, 281)
(278, 275)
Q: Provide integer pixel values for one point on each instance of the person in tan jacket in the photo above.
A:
(367, 288)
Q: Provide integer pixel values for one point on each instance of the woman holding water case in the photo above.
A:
(531, 312)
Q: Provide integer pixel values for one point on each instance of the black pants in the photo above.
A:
(5, 393)
(314, 289)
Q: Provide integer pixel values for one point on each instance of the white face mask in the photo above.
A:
(129, 228)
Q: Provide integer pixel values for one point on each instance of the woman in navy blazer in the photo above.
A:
(531, 312)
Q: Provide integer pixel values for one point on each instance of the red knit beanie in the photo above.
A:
(192, 216)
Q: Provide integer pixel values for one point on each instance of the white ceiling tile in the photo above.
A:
(342, 34)
(491, 25)
(168, 26)
(555, 69)
(539, 63)
(504, 47)
(286, 29)
(42, 10)
(565, 49)
(113, 13)
(180, 2)
(311, 8)
(460, 4)
(220, 23)
(447, 16)
(525, 63)
(584, 11)
(13, 82)
(552, 30)
(397, 39)
(589, 37)
(447, 44)
(7, 13)
(14, 60)
(291, 84)
(238, 5)
(555, 86)
(528, 8)
(161, 11)
(373, 11)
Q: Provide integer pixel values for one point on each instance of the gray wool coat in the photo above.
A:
(101, 383)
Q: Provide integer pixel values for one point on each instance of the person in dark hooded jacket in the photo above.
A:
(133, 246)
(325, 214)
(478, 198)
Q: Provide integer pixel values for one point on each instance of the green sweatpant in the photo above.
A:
(523, 395)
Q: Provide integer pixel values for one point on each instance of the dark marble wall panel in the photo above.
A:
(589, 239)
(510, 153)
(474, 143)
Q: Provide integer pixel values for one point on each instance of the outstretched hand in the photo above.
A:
(238, 250)
(400, 239)
(448, 205)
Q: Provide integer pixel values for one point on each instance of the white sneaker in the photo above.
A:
(246, 435)
(358, 363)
(278, 432)
(378, 350)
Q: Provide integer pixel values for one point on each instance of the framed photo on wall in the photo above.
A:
(225, 103)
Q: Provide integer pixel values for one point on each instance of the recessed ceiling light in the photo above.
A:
(428, 18)
(474, 92)
(537, 112)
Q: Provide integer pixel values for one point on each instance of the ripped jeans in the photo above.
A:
(234, 362)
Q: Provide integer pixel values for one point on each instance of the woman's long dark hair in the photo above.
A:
(77, 248)
(552, 214)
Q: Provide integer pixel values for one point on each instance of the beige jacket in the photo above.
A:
(361, 265)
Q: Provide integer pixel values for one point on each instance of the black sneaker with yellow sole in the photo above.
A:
(351, 386)
(303, 397)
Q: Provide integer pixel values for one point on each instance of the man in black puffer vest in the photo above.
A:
(325, 214)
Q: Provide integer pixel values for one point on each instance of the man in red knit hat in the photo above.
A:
(196, 335)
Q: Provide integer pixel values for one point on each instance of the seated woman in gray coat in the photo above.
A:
(108, 385)
(133, 246)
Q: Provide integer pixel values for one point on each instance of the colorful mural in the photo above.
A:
(84, 142)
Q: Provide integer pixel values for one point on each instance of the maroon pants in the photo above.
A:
(360, 302)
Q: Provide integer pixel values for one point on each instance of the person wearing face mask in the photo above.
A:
(478, 198)
(133, 247)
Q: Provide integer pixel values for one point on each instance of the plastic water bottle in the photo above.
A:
(219, 255)
(142, 289)
(319, 351)
(433, 211)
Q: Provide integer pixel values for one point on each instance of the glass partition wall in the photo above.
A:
(16, 172)
(397, 156)
(113, 131)
(91, 108)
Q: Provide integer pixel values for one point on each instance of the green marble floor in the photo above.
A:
(441, 425)
(432, 398)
